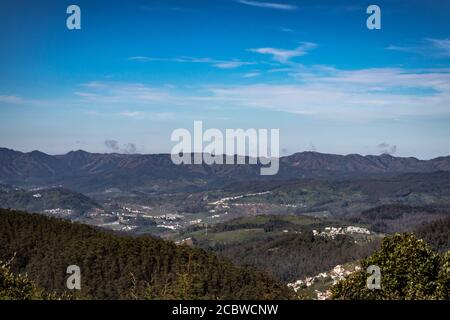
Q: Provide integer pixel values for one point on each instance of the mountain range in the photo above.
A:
(93, 172)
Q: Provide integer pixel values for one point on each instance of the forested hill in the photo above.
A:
(436, 234)
(121, 267)
(92, 172)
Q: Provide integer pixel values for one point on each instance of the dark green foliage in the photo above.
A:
(397, 217)
(295, 256)
(443, 288)
(267, 222)
(283, 245)
(121, 267)
(437, 234)
(18, 286)
(410, 269)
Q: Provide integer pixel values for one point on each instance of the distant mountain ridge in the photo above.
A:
(84, 171)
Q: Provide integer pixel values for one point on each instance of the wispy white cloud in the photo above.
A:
(18, 100)
(230, 64)
(121, 93)
(441, 45)
(12, 99)
(251, 74)
(367, 94)
(221, 64)
(398, 48)
(318, 91)
(143, 59)
(284, 55)
(94, 84)
(268, 5)
(429, 47)
(148, 115)
(287, 30)
(131, 114)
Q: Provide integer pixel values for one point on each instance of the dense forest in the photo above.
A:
(35, 251)
(283, 245)
(409, 269)
(122, 267)
(19, 286)
(398, 217)
(294, 256)
(436, 234)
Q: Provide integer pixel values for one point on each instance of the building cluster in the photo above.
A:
(333, 232)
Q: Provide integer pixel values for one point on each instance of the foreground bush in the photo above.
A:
(410, 269)
(17, 287)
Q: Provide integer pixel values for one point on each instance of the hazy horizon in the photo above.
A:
(168, 153)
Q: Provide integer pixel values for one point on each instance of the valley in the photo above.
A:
(305, 230)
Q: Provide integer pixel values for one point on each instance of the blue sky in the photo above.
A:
(137, 70)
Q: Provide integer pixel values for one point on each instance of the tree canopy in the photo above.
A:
(410, 269)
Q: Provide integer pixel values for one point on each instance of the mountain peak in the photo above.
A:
(79, 151)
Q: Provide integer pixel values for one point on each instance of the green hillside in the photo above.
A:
(122, 267)
(283, 245)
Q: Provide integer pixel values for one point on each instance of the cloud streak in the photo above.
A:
(268, 5)
(429, 47)
(284, 55)
(441, 45)
(367, 94)
(221, 64)
(320, 91)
